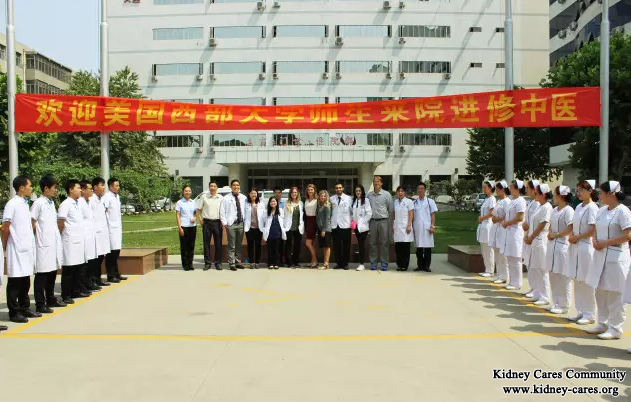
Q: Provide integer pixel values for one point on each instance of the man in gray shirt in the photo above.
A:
(380, 224)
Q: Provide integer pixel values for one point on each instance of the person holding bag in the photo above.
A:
(360, 224)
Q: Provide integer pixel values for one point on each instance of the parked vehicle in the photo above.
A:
(474, 202)
(128, 209)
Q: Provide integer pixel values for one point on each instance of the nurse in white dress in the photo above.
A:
(484, 229)
(558, 255)
(610, 267)
(402, 219)
(531, 185)
(513, 247)
(497, 234)
(582, 252)
(424, 220)
(537, 241)
(70, 221)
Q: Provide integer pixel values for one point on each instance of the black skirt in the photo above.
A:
(324, 242)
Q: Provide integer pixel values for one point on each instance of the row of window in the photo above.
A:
(42, 88)
(306, 31)
(176, 2)
(48, 67)
(18, 56)
(304, 139)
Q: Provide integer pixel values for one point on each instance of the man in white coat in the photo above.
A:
(101, 231)
(70, 221)
(2, 327)
(48, 247)
(111, 201)
(342, 205)
(424, 219)
(90, 236)
(19, 242)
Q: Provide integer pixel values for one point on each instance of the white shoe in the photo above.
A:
(361, 267)
(529, 295)
(541, 302)
(549, 307)
(484, 274)
(558, 310)
(511, 287)
(585, 321)
(598, 329)
(499, 280)
(576, 317)
(610, 335)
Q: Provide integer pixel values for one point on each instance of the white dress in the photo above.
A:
(423, 210)
(610, 266)
(582, 253)
(558, 255)
(528, 218)
(47, 237)
(515, 233)
(401, 209)
(497, 234)
(112, 205)
(537, 251)
(21, 241)
(73, 234)
(484, 228)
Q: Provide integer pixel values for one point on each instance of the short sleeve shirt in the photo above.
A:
(187, 211)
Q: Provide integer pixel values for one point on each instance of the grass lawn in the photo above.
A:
(451, 228)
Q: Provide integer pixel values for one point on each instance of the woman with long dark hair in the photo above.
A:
(310, 209)
(531, 186)
(497, 235)
(484, 229)
(254, 209)
(537, 241)
(514, 244)
(361, 214)
(294, 227)
(273, 232)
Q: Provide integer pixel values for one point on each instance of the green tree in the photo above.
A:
(582, 68)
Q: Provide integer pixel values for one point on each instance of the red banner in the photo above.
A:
(558, 107)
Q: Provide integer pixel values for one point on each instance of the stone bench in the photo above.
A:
(467, 258)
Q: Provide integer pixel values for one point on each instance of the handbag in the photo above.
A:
(353, 224)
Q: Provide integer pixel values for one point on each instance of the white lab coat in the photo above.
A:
(497, 234)
(536, 252)
(582, 253)
(265, 223)
(247, 221)
(73, 235)
(289, 217)
(423, 210)
(610, 266)
(1, 263)
(101, 230)
(528, 217)
(341, 213)
(484, 228)
(21, 241)
(362, 214)
(558, 255)
(514, 244)
(401, 209)
(88, 226)
(48, 248)
(228, 209)
(112, 205)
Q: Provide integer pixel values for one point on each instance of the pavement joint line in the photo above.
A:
(59, 310)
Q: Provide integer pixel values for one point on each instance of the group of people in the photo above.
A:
(40, 240)
(586, 248)
(324, 220)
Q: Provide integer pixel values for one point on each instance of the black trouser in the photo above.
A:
(212, 229)
(282, 258)
(187, 246)
(69, 280)
(94, 268)
(44, 288)
(273, 252)
(402, 250)
(361, 245)
(342, 246)
(292, 247)
(111, 264)
(17, 295)
(423, 257)
(81, 286)
(254, 236)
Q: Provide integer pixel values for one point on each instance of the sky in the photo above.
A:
(66, 31)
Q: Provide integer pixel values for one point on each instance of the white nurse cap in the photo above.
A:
(535, 183)
(520, 184)
(592, 183)
(614, 186)
(503, 184)
(545, 189)
(564, 190)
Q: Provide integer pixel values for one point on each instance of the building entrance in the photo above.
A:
(323, 176)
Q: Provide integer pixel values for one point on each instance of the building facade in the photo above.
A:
(574, 23)
(309, 52)
(39, 74)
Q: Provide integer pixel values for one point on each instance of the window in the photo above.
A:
(179, 141)
(178, 33)
(425, 31)
(300, 67)
(475, 65)
(198, 101)
(169, 2)
(18, 59)
(231, 1)
(424, 139)
(178, 69)
(499, 30)
(500, 65)
(379, 139)
(42, 88)
(243, 67)
(237, 32)
(352, 99)
(299, 101)
(238, 101)
(3, 52)
(363, 30)
(238, 140)
(47, 66)
(363, 67)
(300, 31)
(475, 29)
(424, 66)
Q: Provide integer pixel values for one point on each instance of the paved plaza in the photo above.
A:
(299, 335)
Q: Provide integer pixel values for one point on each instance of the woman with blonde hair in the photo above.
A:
(294, 227)
(323, 220)
(310, 209)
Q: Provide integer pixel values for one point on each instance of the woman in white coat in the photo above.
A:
(361, 214)
(424, 219)
(497, 235)
(294, 227)
(484, 229)
(253, 211)
(273, 228)
(582, 252)
(531, 185)
(402, 219)
(2, 327)
(558, 255)
(513, 247)
(537, 241)
(610, 267)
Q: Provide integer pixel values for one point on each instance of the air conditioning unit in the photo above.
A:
(401, 76)
(388, 76)
(275, 76)
(212, 42)
(338, 76)
(574, 25)
(276, 4)
(261, 76)
(446, 76)
(563, 1)
(325, 76)
(562, 33)
(339, 41)
(447, 149)
(198, 150)
(260, 5)
(154, 78)
(199, 77)
(386, 5)
(401, 40)
(388, 148)
(401, 149)
(213, 77)
(401, 5)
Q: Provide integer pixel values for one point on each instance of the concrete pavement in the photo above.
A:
(299, 335)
